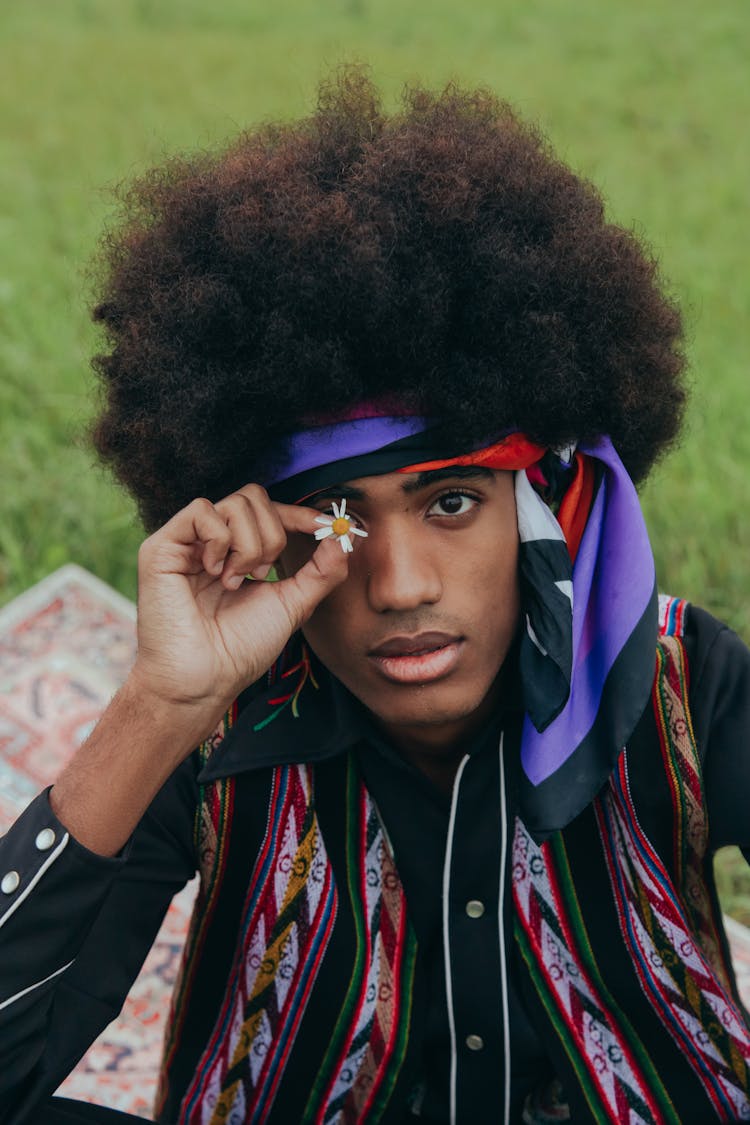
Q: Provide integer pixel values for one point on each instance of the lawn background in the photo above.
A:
(650, 100)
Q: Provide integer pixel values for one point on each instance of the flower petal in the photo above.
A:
(323, 532)
(336, 512)
(342, 512)
(358, 531)
(323, 519)
(346, 544)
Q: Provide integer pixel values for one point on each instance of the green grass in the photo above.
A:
(733, 883)
(649, 100)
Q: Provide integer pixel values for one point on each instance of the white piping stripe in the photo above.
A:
(33, 882)
(39, 983)
(565, 586)
(501, 934)
(535, 518)
(533, 637)
(446, 936)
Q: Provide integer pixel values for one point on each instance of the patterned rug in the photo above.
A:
(65, 646)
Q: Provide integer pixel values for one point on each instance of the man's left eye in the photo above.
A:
(453, 504)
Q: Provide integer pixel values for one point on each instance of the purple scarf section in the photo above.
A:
(613, 585)
(339, 441)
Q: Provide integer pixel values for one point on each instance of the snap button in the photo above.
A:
(474, 908)
(45, 839)
(10, 883)
(474, 1042)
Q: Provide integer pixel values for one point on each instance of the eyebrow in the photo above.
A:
(422, 480)
(450, 472)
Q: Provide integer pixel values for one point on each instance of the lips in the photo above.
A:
(419, 659)
(409, 646)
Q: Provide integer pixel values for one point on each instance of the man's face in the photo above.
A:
(421, 626)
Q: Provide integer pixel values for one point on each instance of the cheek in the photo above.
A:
(299, 549)
(490, 585)
(334, 627)
(497, 608)
(331, 644)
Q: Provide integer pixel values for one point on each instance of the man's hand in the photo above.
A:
(205, 632)
(205, 629)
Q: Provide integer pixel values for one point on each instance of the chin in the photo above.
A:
(426, 706)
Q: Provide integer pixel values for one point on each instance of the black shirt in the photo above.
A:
(78, 926)
(416, 815)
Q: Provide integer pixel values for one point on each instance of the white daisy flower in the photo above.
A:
(340, 525)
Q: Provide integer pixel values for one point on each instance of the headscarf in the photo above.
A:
(588, 590)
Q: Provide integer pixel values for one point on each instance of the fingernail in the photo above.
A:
(260, 572)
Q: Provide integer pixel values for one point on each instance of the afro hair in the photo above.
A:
(442, 255)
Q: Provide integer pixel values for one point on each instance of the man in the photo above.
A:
(452, 826)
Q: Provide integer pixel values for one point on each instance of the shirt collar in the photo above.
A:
(324, 720)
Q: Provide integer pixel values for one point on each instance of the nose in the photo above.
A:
(402, 573)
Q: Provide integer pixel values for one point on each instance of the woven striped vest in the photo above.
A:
(665, 921)
(668, 927)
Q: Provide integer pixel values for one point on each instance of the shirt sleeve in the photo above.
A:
(75, 928)
(720, 704)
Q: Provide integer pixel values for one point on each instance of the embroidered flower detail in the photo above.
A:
(279, 702)
(340, 525)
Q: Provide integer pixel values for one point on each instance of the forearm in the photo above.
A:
(111, 780)
(52, 893)
(76, 928)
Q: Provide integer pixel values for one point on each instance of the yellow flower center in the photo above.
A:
(341, 526)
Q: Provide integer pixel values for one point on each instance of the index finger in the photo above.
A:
(294, 517)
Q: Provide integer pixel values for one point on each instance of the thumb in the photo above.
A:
(322, 573)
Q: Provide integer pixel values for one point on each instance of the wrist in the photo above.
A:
(186, 720)
(138, 743)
